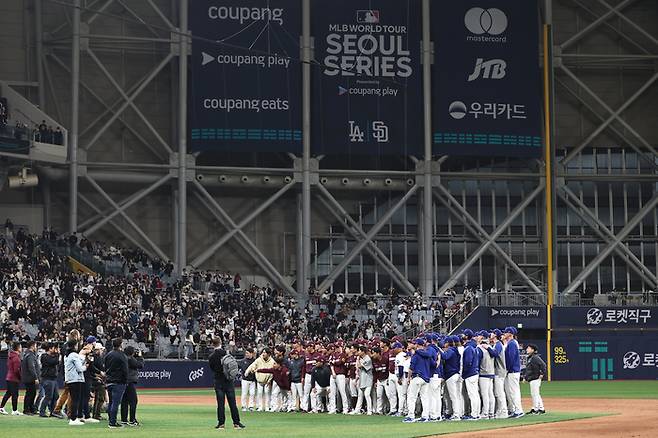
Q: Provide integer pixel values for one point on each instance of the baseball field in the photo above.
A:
(575, 409)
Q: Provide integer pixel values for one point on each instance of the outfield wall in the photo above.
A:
(160, 374)
(606, 343)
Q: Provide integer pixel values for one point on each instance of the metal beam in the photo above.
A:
(182, 139)
(132, 201)
(606, 234)
(612, 128)
(594, 24)
(127, 218)
(573, 152)
(307, 58)
(633, 24)
(482, 248)
(242, 238)
(426, 283)
(130, 99)
(123, 94)
(118, 228)
(335, 208)
(359, 246)
(75, 119)
(251, 216)
(600, 101)
(108, 109)
(480, 233)
(630, 225)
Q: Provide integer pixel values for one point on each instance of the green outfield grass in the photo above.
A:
(187, 421)
(165, 421)
(571, 389)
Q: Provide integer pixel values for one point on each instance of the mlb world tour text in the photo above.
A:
(367, 50)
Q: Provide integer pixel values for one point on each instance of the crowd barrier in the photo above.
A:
(160, 374)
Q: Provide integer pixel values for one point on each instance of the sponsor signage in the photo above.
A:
(527, 317)
(605, 317)
(367, 77)
(245, 84)
(175, 374)
(160, 374)
(601, 356)
(486, 78)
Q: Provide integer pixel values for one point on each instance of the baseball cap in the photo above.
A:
(468, 333)
(91, 340)
(99, 346)
(419, 341)
(497, 332)
(510, 330)
(485, 334)
(396, 345)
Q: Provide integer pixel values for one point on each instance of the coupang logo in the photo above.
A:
(195, 374)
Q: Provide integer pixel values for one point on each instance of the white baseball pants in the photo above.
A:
(263, 393)
(537, 402)
(331, 402)
(364, 393)
(307, 395)
(248, 394)
(501, 398)
(297, 391)
(341, 390)
(513, 390)
(435, 396)
(473, 391)
(402, 395)
(455, 390)
(488, 399)
(418, 387)
(274, 397)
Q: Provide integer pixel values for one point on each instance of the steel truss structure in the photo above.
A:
(445, 222)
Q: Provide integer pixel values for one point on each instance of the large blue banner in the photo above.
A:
(589, 318)
(605, 356)
(486, 78)
(159, 374)
(367, 80)
(245, 87)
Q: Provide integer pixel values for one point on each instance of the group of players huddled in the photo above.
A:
(473, 376)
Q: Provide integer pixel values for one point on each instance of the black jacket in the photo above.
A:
(135, 363)
(321, 376)
(215, 362)
(296, 368)
(49, 366)
(243, 365)
(29, 368)
(534, 368)
(116, 367)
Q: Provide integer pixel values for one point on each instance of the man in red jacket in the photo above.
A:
(13, 379)
(281, 376)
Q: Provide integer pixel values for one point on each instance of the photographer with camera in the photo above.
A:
(135, 363)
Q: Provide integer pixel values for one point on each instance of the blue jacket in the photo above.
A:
(451, 359)
(471, 360)
(438, 369)
(512, 357)
(433, 352)
(420, 365)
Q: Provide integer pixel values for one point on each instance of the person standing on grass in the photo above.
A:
(135, 363)
(13, 379)
(116, 376)
(365, 380)
(222, 364)
(74, 368)
(264, 381)
(535, 371)
(49, 365)
(513, 363)
(30, 377)
(248, 382)
(64, 399)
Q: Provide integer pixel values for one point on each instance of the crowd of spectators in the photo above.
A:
(42, 299)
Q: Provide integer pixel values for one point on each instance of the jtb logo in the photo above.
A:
(492, 69)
